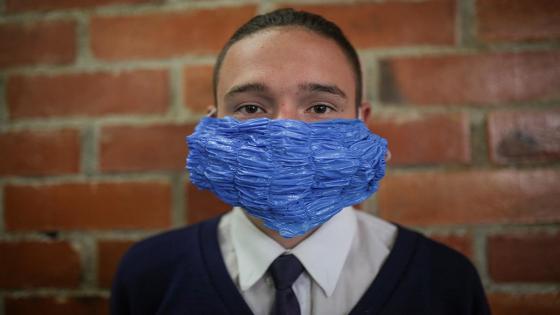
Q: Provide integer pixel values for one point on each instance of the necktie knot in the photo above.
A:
(285, 270)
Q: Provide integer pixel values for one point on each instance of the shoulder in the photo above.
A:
(432, 258)
(163, 252)
(450, 279)
(160, 267)
(443, 258)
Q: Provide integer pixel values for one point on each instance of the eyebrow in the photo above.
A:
(309, 87)
(325, 88)
(249, 87)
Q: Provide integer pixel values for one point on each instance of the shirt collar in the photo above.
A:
(255, 251)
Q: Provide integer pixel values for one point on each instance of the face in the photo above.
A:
(287, 73)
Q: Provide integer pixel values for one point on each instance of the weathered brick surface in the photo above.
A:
(81, 305)
(202, 204)
(91, 141)
(126, 205)
(524, 136)
(52, 42)
(33, 264)
(159, 147)
(88, 94)
(109, 253)
(198, 88)
(45, 152)
(524, 304)
(169, 34)
(536, 258)
(33, 5)
(392, 23)
(476, 197)
(519, 20)
(479, 79)
(429, 139)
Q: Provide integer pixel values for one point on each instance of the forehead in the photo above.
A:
(284, 56)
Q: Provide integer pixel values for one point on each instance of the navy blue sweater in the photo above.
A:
(183, 272)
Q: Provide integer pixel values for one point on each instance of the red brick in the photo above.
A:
(162, 35)
(503, 20)
(461, 243)
(33, 5)
(110, 254)
(86, 305)
(126, 205)
(52, 42)
(202, 204)
(471, 79)
(159, 147)
(524, 136)
(44, 152)
(474, 197)
(524, 304)
(428, 139)
(88, 94)
(536, 258)
(198, 88)
(394, 23)
(32, 264)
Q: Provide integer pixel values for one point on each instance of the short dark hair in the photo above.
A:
(290, 17)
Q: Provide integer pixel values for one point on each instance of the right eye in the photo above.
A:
(249, 109)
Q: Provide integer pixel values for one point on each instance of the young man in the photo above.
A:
(293, 246)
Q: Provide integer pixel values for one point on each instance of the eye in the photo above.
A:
(321, 109)
(249, 109)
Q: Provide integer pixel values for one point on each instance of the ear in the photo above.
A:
(211, 111)
(364, 111)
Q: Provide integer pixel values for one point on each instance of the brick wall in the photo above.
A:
(96, 98)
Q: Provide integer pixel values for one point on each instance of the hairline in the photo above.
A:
(357, 75)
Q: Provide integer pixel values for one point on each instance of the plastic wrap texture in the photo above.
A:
(291, 174)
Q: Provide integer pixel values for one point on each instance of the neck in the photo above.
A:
(287, 243)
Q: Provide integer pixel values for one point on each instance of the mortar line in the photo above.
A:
(83, 52)
(176, 108)
(265, 6)
(55, 292)
(114, 120)
(4, 111)
(2, 210)
(372, 80)
(465, 24)
(88, 259)
(69, 236)
(117, 178)
(111, 66)
(521, 288)
(178, 213)
(89, 150)
(478, 141)
(124, 10)
(479, 247)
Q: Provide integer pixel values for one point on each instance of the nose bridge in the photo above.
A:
(287, 110)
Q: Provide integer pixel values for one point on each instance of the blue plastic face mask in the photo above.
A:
(292, 175)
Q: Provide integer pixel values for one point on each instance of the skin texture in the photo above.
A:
(287, 73)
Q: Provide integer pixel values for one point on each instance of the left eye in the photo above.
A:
(320, 109)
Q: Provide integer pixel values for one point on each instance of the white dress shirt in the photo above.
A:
(341, 259)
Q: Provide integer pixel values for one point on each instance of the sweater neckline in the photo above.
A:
(371, 302)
